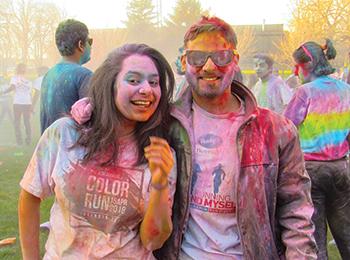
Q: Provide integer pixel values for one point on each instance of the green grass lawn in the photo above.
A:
(13, 162)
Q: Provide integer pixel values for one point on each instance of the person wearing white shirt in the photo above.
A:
(5, 102)
(22, 102)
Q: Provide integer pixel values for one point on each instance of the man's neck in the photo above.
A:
(71, 58)
(226, 103)
(266, 78)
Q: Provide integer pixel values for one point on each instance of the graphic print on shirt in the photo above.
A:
(209, 176)
(23, 85)
(108, 198)
(196, 171)
(219, 176)
(23, 88)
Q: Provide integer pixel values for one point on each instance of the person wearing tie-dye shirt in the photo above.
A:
(320, 109)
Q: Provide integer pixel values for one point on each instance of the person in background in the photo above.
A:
(67, 81)
(22, 103)
(5, 102)
(345, 73)
(114, 177)
(251, 80)
(270, 91)
(41, 71)
(320, 109)
(293, 82)
(179, 76)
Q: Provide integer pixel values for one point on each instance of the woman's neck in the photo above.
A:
(127, 128)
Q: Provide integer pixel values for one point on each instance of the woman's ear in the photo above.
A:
(309, 66)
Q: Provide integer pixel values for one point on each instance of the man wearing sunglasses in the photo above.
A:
(247, 194)
(67, 81)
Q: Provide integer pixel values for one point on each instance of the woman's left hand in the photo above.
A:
(160, 160)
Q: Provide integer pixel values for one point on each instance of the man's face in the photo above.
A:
(209, 76)
(261, 68)
(87, 52)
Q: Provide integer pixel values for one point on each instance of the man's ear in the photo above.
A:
(81, 46)
(236, 58)
(183, 62)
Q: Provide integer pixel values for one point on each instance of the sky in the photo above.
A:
(112, 13)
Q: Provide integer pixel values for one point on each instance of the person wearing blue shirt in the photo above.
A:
(67, 81)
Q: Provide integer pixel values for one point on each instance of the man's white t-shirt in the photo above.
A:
(97, 210)
(23, 90)
(212, 231)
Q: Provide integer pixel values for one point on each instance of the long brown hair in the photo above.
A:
(99, 134)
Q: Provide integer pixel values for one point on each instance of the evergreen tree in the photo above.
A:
(186, 12)
(140, 13)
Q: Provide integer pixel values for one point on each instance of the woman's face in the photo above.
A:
(302, 71)
(137, 89)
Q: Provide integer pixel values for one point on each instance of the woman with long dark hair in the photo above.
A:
(113, 177)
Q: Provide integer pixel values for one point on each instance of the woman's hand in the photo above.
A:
(156, 226)
(160, 161)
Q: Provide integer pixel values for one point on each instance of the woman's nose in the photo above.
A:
(145, 88)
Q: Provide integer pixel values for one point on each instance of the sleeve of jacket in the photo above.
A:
(294, 204)
(180, 142)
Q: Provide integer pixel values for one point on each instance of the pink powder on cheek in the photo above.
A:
(157, 93)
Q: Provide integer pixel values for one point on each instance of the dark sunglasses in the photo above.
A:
(199, 58)
(90, 41)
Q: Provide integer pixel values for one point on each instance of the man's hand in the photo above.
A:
(81, 110)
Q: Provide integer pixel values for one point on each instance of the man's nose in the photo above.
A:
(209, 65)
